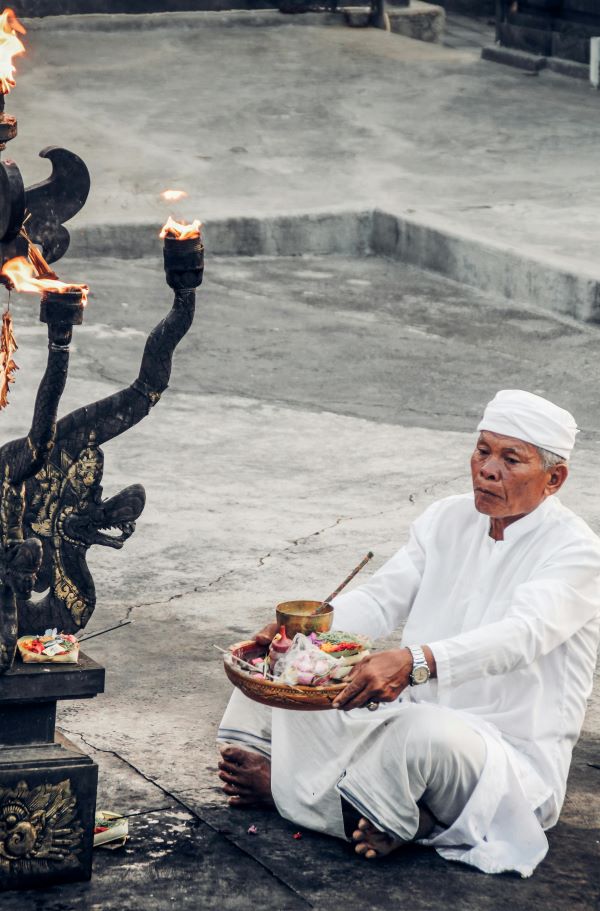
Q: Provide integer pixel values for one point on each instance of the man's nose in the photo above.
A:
(490, 470)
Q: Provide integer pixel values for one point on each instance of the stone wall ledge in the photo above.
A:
(427, 240)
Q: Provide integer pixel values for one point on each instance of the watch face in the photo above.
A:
(420, 675)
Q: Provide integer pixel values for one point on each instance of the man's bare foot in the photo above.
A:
(370, 842)
(247, 777)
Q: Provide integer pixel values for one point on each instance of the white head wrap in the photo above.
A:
(529, 417)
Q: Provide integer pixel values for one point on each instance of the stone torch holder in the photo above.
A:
(62, 307)
(184, 262)
(47, 786)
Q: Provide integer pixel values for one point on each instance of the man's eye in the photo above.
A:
(511, 461)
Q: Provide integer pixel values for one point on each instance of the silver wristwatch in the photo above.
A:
(420, 672)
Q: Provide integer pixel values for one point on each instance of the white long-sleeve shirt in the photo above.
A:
(514, 625)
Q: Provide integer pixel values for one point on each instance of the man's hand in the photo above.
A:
(265, 636)
(378, 678)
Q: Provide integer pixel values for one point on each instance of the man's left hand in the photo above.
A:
(378, 678)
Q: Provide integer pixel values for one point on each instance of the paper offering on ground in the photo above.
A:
(110, 829)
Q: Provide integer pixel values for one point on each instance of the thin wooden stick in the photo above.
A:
(241, 661)
(109, 629)
(348, 579)
(139, 813)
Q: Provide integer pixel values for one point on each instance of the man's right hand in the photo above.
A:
(265, 636)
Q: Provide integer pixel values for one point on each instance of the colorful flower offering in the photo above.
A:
(314, 660)
(51, 647)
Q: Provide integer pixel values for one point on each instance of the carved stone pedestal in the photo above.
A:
(47, 786)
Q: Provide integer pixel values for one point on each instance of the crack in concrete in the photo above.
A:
(302, 540)
(215, 581)
(444, 483)
(296, 542)
(130, 765)
(428, 488)
(196, 816)
(178, 595)
(314, 534)
(130, 610)
(206, 586)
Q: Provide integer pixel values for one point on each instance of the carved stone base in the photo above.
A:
(47, 786)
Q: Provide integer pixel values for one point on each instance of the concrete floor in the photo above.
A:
(316, 407)
(258, 113)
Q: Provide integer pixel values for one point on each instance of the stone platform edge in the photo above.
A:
(534, 63)
(428, 241)
(421, 21)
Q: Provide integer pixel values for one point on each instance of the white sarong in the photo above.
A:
(385, 762)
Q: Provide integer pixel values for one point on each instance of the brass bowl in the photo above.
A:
(277, 695)
(300, 617)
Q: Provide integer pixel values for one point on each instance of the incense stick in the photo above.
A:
(138, 813)
(348, 579)
(245, 663)
(108, 629)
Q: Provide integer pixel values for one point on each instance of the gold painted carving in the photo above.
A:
(75, 480)
(67, 592)
(39, 828)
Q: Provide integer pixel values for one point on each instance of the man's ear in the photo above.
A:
(557, 475)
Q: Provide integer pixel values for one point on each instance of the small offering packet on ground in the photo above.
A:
(110, 830)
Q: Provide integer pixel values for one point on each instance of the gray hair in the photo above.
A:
(550, 459)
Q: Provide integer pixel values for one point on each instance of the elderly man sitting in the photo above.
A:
(481, 705)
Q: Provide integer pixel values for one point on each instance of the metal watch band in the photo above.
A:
(419, 661)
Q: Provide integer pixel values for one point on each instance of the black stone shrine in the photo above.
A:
(550, 28)
(47, 785)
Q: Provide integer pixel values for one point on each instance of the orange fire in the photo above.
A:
(10, 46)
(173, 195)
(8, 346)
(180, 232)
(23, 276)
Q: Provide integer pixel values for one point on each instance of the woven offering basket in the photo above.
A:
(277, 695)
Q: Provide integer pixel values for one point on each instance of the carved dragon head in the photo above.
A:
(65, 510)
(92, 520)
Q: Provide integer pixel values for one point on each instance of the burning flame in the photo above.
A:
(8, 346)
(10, 46)
(180, 232)
(23, 276)
(173, 195)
